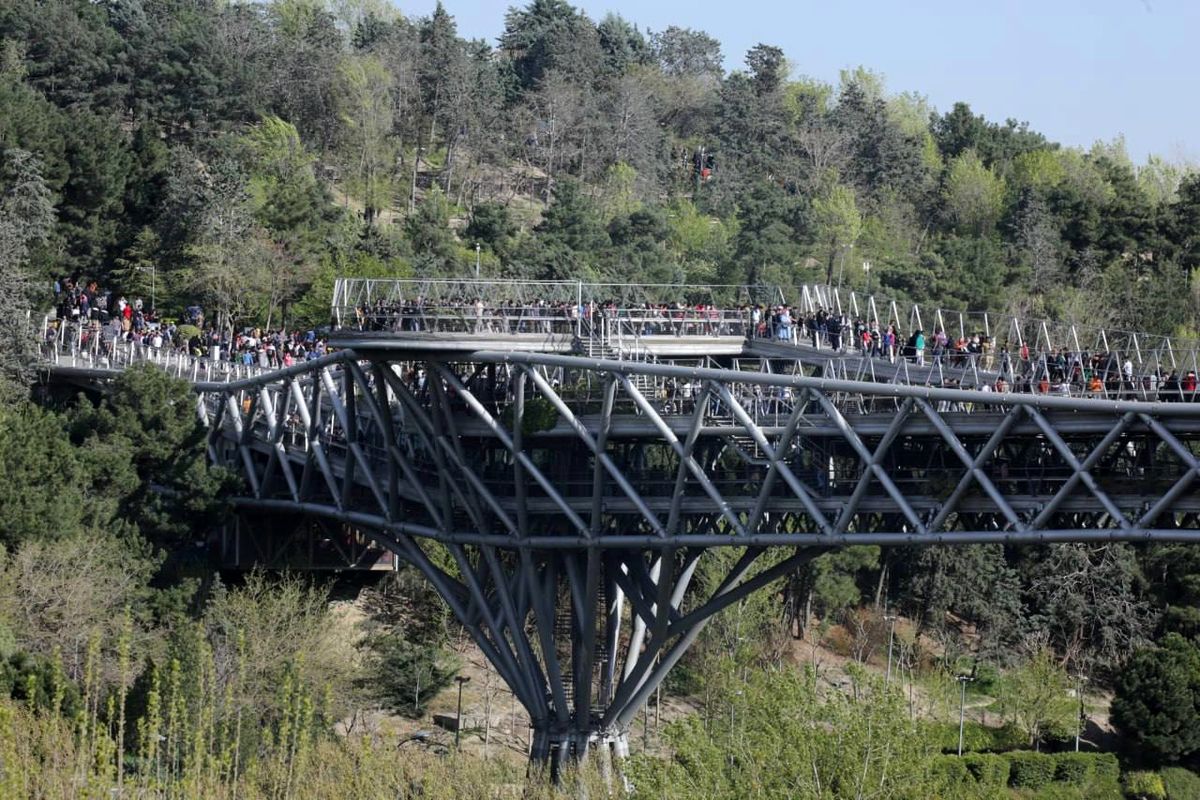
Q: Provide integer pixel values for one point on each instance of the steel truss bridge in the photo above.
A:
(560, 498)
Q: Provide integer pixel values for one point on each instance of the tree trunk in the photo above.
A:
(883, 576)
(412, 187)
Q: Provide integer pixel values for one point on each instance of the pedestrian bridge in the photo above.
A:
(576, 457)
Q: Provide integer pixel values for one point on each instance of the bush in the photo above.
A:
(950, 771)
(1007, 737)
(1029, 770)
(1144, 786)
(987, 769)
(978, 738)
(1180, 783)
(1107, 768)
(1076, 769)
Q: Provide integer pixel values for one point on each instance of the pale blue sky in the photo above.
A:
(1076, 70)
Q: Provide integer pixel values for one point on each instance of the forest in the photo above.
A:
(242, 155)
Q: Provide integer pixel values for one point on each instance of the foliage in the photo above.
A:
(977, 738)
(1143, 786)
(987, 769)
(1029, 770)
(243, 150)
(26, 220)
(787, 739)
(172, 494)
(1180, 782)
(48, 755)
(1035, 696)
(1157, 703)
(59, 595)
(408, 627)
(42, 480)
(405, 675)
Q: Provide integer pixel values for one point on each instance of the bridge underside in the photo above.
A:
(562, 506)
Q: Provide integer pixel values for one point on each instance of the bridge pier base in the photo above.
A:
(557, 751)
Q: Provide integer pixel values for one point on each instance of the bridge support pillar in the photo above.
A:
(558, 750)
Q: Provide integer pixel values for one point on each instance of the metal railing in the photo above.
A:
(1005, 332)
(74, 346)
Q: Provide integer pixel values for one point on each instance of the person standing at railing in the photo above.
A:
(785, 325)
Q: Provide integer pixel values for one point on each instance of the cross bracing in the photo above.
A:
(575, 496)
(604, 515)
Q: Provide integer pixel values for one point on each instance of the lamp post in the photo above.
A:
(458, 722)
(963, 680)
(867, 272)
(891, 619)
(1080, 680)
(477, 261)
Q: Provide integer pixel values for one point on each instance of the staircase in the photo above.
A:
(601, 345)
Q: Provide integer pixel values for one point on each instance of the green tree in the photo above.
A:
(26, 219)
(491, 224)
(765, 244)
(173, 496)
(974, 196)
(1034, 695)
(42, 482)
(1157, 703)
(977, 584)
(368, 153)
(428, 230)
(545, 36)
(569, 238)
(838, 225)
(698, 242)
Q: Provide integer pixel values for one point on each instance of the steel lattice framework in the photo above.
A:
(558, 477)
(576, 496)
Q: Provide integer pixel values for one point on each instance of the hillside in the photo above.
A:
(243, 154)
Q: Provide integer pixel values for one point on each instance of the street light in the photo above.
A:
(890, 618)
(458, 723)
(962, 706)
(867, 272)
(477, 261)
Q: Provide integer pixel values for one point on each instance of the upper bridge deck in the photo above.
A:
(824, 332)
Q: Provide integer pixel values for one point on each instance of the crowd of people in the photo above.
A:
(473, 315)
(97, 320)
(100, 319)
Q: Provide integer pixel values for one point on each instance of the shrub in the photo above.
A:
(1107, 768)
(1007, 737)
(987, 769)
(1029, 770)
(1180, 783)
(1144, 786)
(978, 738)
(950, 771)
(1076, 769)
